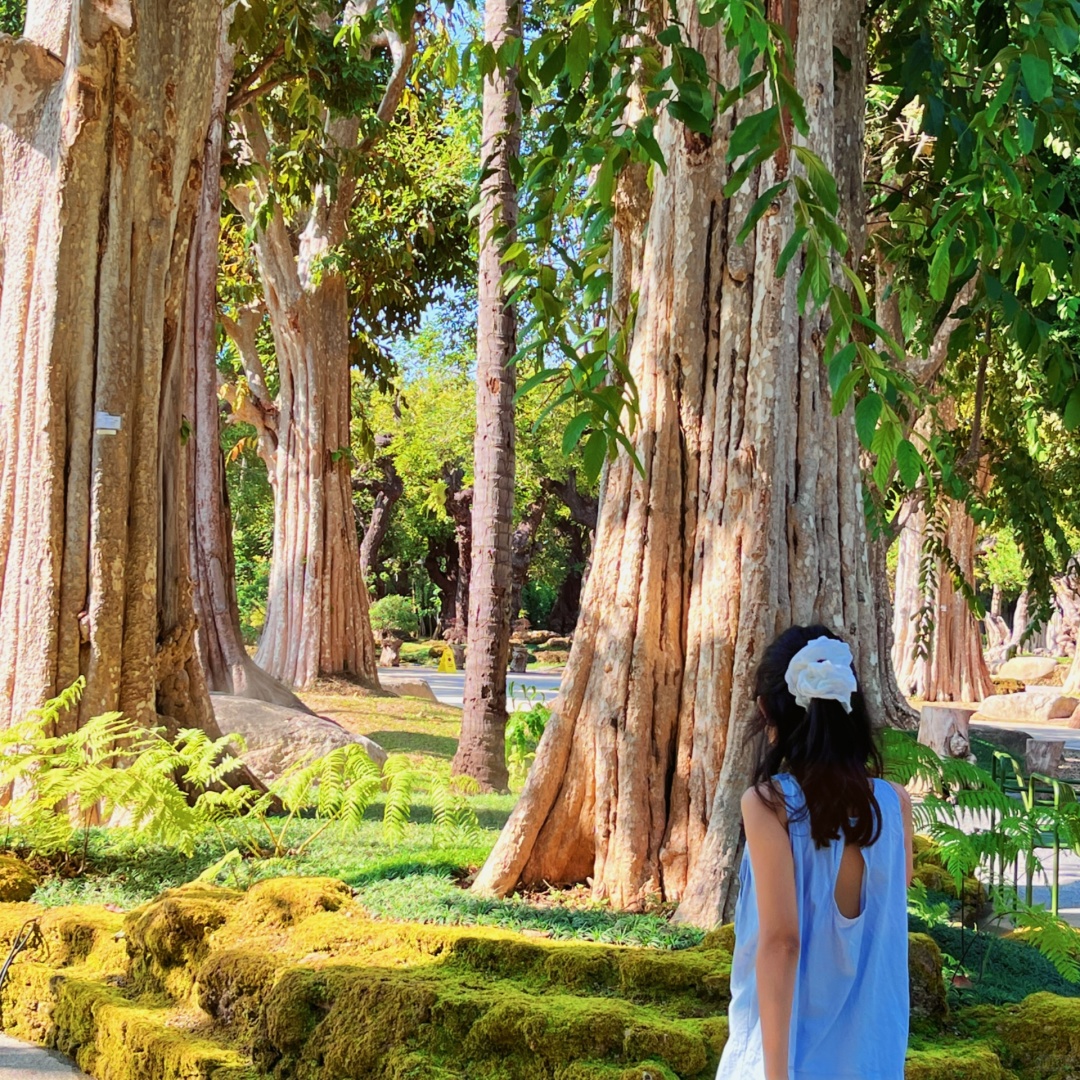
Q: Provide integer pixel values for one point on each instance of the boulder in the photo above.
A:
(929, 1006)
(536, 637)
(17, 880)
(405, 686)
(1038, 704)
(558, 644)
(277, 737)
(1011, 741)
(519, 659)
(1027, 669)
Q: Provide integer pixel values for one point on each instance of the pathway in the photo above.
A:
(20, 1061)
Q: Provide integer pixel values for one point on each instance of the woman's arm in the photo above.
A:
(909, 828)
(778, 918)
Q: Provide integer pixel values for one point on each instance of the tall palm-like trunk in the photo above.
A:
(482, 752)
(747, 517)
(103, 117)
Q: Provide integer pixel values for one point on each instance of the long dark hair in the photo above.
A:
(832, 753)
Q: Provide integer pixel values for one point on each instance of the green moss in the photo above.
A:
(929, 1007)
(17, 880)
(972, 1061)
(1039, 1038)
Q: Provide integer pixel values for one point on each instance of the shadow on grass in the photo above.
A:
(415, 742)
(488, 817)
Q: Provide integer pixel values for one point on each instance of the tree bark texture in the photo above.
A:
(228, 667)
(524, 543)
(105, 110)
(388, 491)
(481, 752)
(748, 518)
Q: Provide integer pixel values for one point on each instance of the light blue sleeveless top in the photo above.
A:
(849, 1018)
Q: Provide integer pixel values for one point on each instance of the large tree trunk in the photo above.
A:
(564, 612)
(317, 618)
(747, 518)
(228, 667)
(938, 649)
(481, 751)
(105, 113)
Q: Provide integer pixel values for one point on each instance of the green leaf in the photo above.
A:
(574, 431)
(1027, 133)
(670, 35)
(867, 413)
(1041, 284)
(821, 180)
(693, 118)
(578, 54)
(839, 368)
(750, 133)
(1072, 410)
(908, 464)
(757, 211)
(594, 454)
(791, 248)
(1038, 76)
(941, 270)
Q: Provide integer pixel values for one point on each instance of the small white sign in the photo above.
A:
(106, 423)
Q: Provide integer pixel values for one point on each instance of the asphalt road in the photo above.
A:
(20, 1061)
(450, 689)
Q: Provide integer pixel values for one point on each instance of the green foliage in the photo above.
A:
(435, 898)
(524, 728)
(169, 792)
(108, 767)
(12, 17)
(395, 613)
(957, 787)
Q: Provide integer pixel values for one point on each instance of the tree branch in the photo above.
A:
(247, 91)
(255, 407)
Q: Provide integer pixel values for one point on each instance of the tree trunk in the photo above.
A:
(228, 667)
(317, 618)
(564, 612)
(459, 505)
(388, 492)
(747, 518)
(523, 544)
(106, 109)
(481, 751)
(942, 661)
(1020, 620)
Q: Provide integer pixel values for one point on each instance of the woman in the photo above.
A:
(819, 981)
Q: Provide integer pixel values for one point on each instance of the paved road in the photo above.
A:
(20, 1061)
(450, 689)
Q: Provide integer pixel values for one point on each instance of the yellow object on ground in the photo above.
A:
(446, 664)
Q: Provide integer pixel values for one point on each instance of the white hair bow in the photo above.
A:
(822, 670)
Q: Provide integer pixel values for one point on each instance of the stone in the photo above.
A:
(1027, 669)
(277, 737)
(17, 880)
(390, 656)
(1074, 720)
(1040, 704)
(519, 659)
(536, 637)
(405, 686)
(929, 1005)
(1013, 742)
(560, 644)
(1044, 756)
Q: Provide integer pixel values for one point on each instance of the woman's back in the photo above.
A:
(849, 1017)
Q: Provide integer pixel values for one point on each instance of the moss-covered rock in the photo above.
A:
(17, 880)
(956, 1061)
(1039, 1039)
(929, 1006)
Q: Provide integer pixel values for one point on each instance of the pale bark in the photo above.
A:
(481, 752)
(228, 667)
(104, 115)
(747, 518)
(317, 620)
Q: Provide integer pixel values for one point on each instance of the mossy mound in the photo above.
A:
(929, 1007)
(17, 880)
(1039, 1039)
(293, 981)
(930, 870)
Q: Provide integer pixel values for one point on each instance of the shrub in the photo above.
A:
(395, 613)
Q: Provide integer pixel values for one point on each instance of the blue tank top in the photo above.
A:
(849, 1017)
